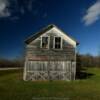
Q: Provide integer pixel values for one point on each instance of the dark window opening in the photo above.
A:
(45, 42)
(57, 42)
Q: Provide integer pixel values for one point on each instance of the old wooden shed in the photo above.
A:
(50, 55)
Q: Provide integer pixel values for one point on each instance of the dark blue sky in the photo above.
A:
(22, 18)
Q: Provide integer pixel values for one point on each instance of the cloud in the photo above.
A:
(92, 14)
(30, 5)
(4, 8)
(14, 9)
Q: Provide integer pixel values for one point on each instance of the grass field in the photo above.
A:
(12, 87)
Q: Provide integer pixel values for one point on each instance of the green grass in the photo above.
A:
(12, 87)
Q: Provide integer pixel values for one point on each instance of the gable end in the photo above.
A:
(36, 35)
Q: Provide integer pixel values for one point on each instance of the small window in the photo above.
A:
(57, 43)
(45, 42)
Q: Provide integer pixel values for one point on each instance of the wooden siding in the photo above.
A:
(53, 70)
(35, 52)
(50, 64)
(53, 29)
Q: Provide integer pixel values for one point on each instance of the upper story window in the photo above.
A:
(45, 42)
(57, 43)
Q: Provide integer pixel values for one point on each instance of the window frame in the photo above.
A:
(48, 42)
(54, 43)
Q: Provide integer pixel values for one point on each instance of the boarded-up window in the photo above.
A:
(45, 42)
(57, 43)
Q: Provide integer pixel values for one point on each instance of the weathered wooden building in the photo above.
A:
(50, 55)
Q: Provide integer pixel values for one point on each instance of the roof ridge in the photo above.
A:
(43, 30)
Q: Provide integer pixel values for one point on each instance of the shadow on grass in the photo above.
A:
(83, 74)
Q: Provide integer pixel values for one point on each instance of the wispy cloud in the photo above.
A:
(14, 9)
(92, 14)
(4, 8)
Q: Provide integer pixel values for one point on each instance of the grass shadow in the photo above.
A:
(83, 74)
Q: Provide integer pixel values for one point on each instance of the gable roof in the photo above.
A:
(34, 36)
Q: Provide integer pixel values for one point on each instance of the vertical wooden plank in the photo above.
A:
(73, 70)
(68, 70)
(58, 70)
(25, 69)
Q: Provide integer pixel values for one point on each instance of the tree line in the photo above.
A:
(82, 61)
(88, 60)
(11, 63)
